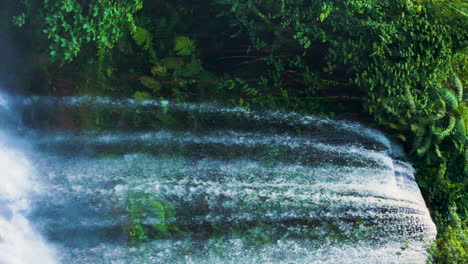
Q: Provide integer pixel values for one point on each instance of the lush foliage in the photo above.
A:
(143, 206)
(405, 56)
(70, 25)
(406, 60)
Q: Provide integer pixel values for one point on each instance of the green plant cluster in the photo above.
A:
(143, 206)
(70, 25)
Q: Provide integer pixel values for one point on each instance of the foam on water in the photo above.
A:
(334, 195)
(270, 116)
(3, 102)
(19, 241)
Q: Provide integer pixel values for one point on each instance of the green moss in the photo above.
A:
(253, 234)
(143, 207)
(136, 234)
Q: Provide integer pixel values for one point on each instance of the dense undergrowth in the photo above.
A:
(402, 62)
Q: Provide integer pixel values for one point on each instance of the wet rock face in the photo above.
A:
(198, 183)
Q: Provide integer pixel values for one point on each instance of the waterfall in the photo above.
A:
(19, 241)
(201, 183)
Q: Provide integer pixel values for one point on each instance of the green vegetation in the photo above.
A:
(161, 213)
(402, 62)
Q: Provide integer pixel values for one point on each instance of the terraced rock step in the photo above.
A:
(75, 113)
(198, 183)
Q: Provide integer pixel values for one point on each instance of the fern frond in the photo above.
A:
(417, 141)
(449, 98)
(158, 70)
(402, 137)
(409, 99)
(418, 129)
(143, 38)
(441, 110)
(398, 127)
(141, 96)
(458, 87)
(184, 46)
(150, 82)
(459, 134)
(390, 110)
(425, 145)
(431, 157)
(172, 63)
(438, 106)
(442, 170)
(438, 152)
(441, 133)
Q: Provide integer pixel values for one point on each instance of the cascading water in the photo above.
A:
(162, 182)
(19, 242)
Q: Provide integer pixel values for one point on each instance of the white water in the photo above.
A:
(19, 242)
(335, 194)
(269, 116)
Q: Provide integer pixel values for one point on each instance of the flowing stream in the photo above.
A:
(98, 180)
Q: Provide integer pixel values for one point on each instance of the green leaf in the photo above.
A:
(184, 46)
